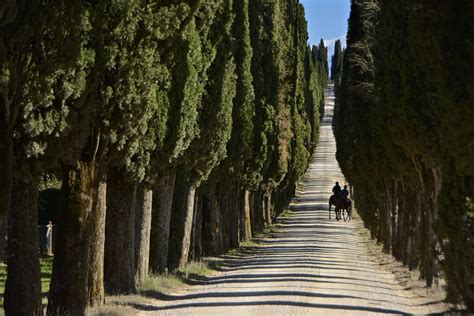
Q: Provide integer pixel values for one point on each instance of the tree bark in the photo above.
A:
(257, 212)
(68, 291)
(23, 285)
(386, 220)
(6, 168)
(161, 221)
(267, 208)
(6, 174)
(120, 234)
(97, 245)
(432, 189)
(414, 257)
(212, 225)
(3, 236)
(197, 230)
(234, 218)
(394, 215)
(188, 225)
(399, 250)
(142, 231)
(245, 224)
(181, 221)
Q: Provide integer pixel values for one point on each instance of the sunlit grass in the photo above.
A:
(46, 271)
(249, 243)
(168, 282)
(160, 283)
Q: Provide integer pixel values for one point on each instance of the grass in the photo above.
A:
(164, 283)
(160, 283)
(249, 243)
(46, 270)
(286, 213)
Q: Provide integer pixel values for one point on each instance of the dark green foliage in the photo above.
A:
(402, 125)
(323, 61)
(336, 65)
(227, 92)
(289, 119)
(313, 97)
(301, 143)
(240, 145)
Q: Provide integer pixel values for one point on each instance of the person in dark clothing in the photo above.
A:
(345, 193)
(336, 189)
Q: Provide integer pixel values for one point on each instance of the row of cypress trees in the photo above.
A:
(403, 125)
(178, 129)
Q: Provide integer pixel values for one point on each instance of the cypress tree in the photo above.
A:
(119, 80)
(314, 96)
(175, 124)
(336, 65)
(234, 175)
(411, 186)
(215, 124)
(38, 64)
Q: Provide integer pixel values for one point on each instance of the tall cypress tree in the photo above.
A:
(215, 124)
(336, 65)
(117, 113)
(41, 58)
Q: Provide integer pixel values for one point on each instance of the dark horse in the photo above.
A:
(340, 205)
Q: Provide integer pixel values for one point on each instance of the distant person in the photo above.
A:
(336, 189)
(345, 193)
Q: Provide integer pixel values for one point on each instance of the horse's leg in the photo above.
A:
(329, 210)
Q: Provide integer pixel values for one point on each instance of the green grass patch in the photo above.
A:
(249, 243)
(168, 282)
(46, 271)
(161, 283)
(196, 268)
(286, 213)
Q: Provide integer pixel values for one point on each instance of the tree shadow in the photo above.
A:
(334, 307)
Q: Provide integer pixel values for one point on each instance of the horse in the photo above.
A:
(340, 205)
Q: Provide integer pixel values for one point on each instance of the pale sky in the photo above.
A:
(327, 19)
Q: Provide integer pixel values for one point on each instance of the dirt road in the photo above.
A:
(309, 266)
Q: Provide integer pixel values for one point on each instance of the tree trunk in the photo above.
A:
(212, 225)
(188, 225)
(432, 188)
(142, 232)
(3, 236)
(6, 171)
(257, 212)
(181, 223)
(68, 292)
(97, 245)
(197, 230)
(245, 224)
(267, 208)
(23, 285)
(386, 220)
(6, 174)
(120, 234)
(394, 215)
(161, 221)
(399, 249)
(233, 220)
(414, 257)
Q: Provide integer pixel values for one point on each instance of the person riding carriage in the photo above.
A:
(340, 200)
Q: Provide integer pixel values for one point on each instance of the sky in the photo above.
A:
(327, 19)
